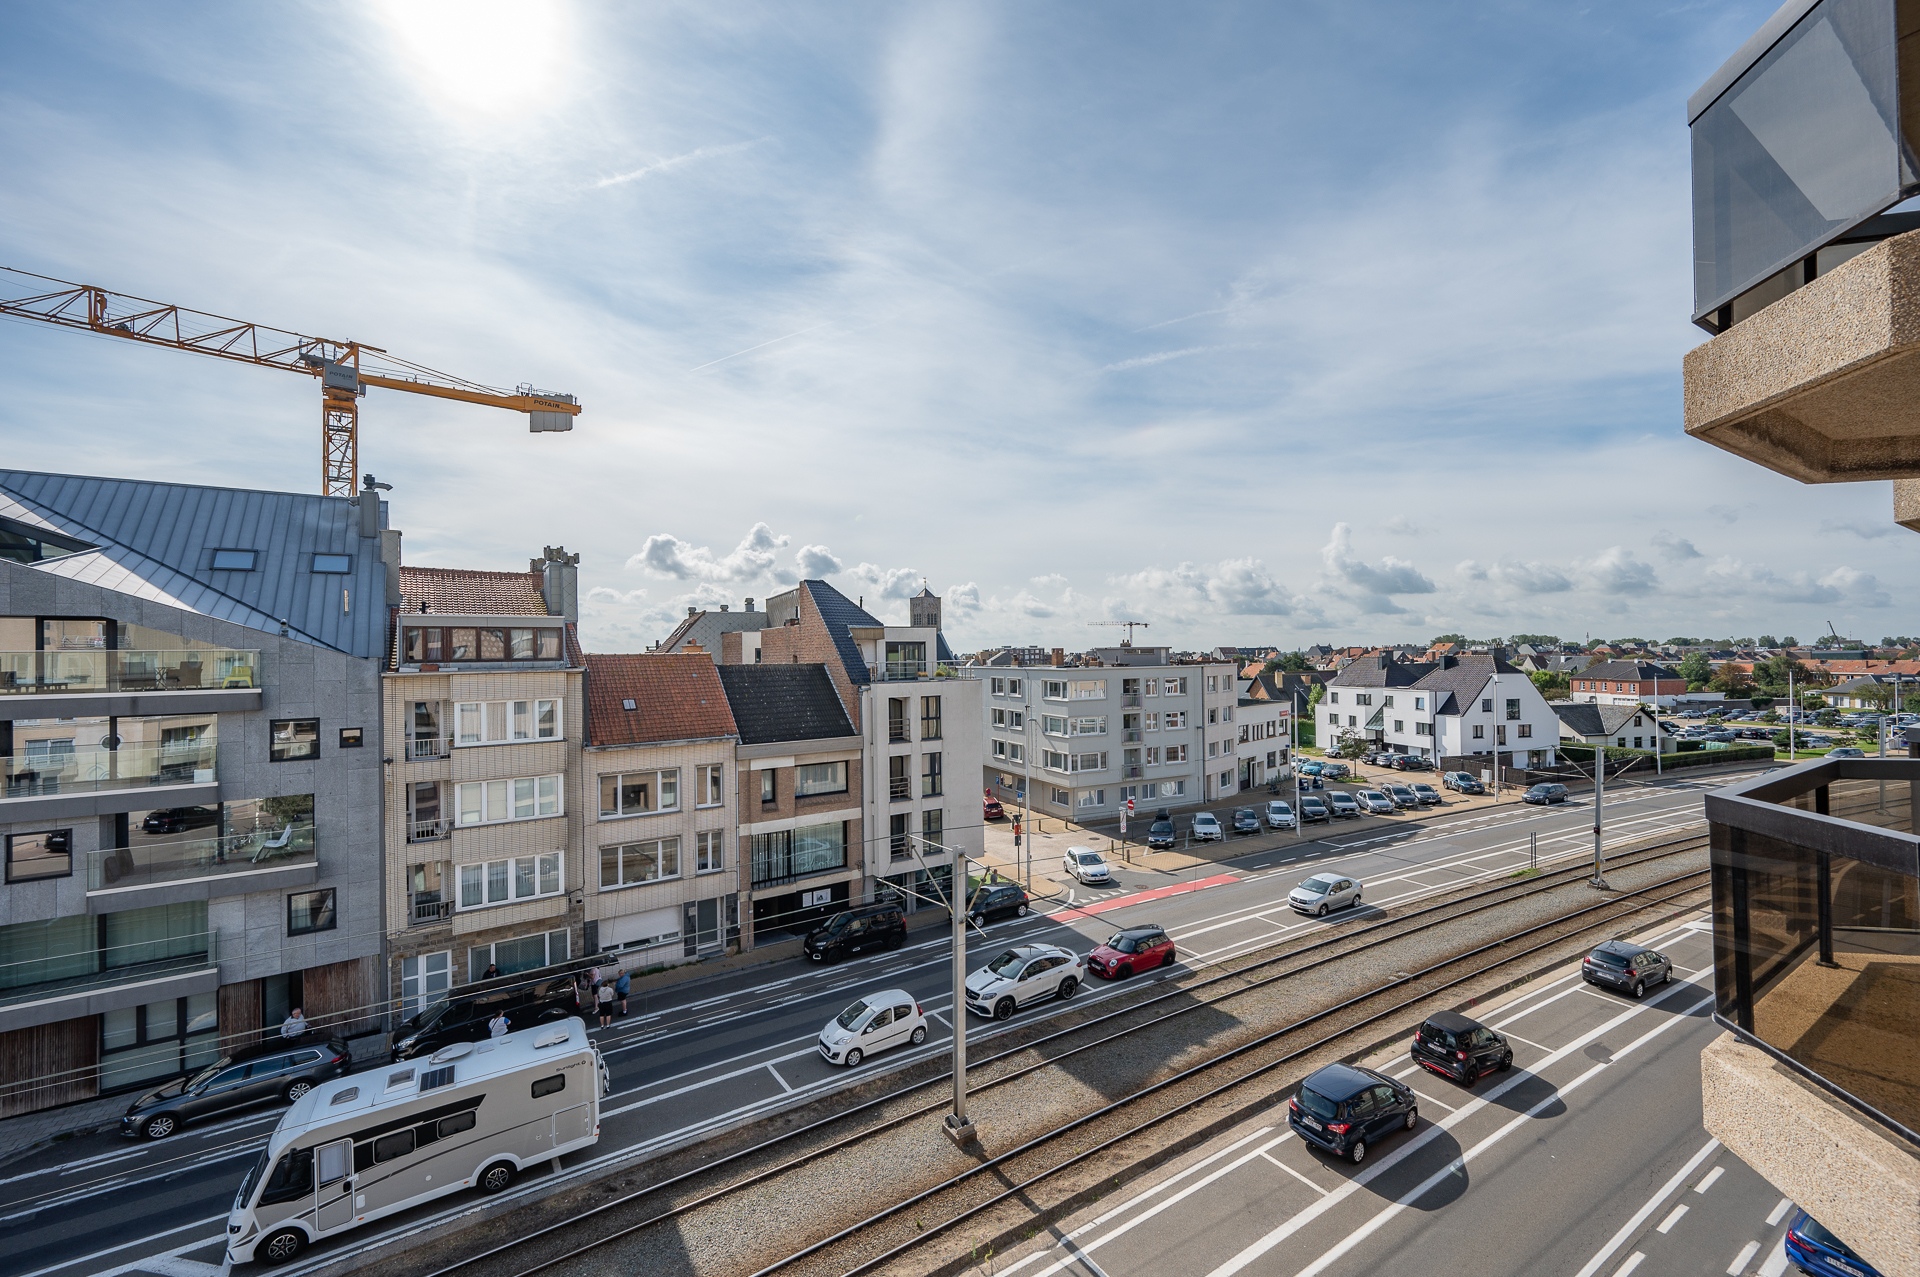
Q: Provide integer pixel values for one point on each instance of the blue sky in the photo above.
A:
(1265, 323)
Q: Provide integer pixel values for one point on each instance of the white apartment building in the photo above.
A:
(1458, 706)
(1136, 726)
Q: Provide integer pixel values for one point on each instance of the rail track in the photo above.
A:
(680, 1196)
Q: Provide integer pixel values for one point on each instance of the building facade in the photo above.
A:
(191, 736)
(1614, 727)
(1456, 707)
(1627, 683)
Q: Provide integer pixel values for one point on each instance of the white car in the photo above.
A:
(1206, 828)
(1280, 816)
(1323, 893)
(874, 1023)
(1023, 975)
(1087, 865)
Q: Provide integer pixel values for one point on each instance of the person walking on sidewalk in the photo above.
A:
(606, 1005)
(622, 987)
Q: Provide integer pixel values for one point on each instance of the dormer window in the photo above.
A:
(333, 563)
(234, 560)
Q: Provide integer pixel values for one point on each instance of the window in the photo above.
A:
(424, 980)
(1153, 755)
(525, 953)
(1400, 725)
(1174, 686)
(493, 722)
(1053, 689)
(310, 911)
(1016, 753)
(900, 836)
(1092, 798)
(48, 854)
(930, 777)
(1153, 720)
(1130, 687)
(1623, 742)
(796, 853)
(1090, 762)
(1213, 715)
(1213, 683)
(1176, 720)
(1500, 734)
(1423, 729)
(1053, 724)
(1513, 710)
(899, 780)
(1419, 702)
(707, 778)
(488, 802)
(933, 827)
(1153, 687)
(1090, 726)
(638, 793)
(999, 749)
(333, 563)
(1059, 797)
(1176, 753)
(1479, 731)
(1017, 719)
(1333, 698)
(1386, 702)
(1053, 760)
(1486, 706)
(1226, 781)
(999, 686)
(929, 718)
(999, 718)
(820, 778)
(1089, 689)
(1526, 730)
(294, 738)
(550, 1085)
(1173, 788)
(499, 882)
(634, 863)
(233, 560)
(769, 794)
(175, 1035)
(432, 644)
(1213, 749)
(1014, 686)
(896, 719)
(1363, 698)
(352, 737)
(709, 853)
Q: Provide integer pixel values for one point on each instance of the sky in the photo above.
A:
(1298, 323)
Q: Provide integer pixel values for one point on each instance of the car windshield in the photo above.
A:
(1280, 808)
(1812, 1231)
(1317, 1104)
(1124, 943)
(1318, 886)
(1203, 818)
(1089, 858)
(1607, 958)
(206, 1074)
(253, 1177)
(837, 923)
(1162, 827)
(1007, 964)
(851, 1016)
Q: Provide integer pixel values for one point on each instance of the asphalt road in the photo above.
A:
(715, 1053)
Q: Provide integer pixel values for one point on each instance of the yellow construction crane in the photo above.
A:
(345, 368)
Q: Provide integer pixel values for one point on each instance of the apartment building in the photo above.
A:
(190, 737)
(1089, 737)
(1457, 706)
(659, 800)
(485, 714)
(1265, 743)
(1627, 683)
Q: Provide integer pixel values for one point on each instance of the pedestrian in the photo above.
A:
(622, 987)
(492, 972)
(606, 1005)
(497, 1027)
(593, 976)
(294, 1026)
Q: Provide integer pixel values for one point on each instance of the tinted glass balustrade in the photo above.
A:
(77, 771)
(101, 670)
(190, 858)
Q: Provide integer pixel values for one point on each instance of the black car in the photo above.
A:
(997, 901)
(864, 930)
(1455, 1047)
(1544, 793)
(172, 820)
(1621, 964)
(466, 1019)
(1411, 763)
(1313, 809)
(1246, 820)
(280, 1070)
(1160, 834)
(1463, 783)
(1343, 1109)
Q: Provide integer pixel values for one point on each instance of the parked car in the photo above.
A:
(1426, 794)
(1160, 834)
(1087, 865)
(1343, 1109)
(874, 1023)
(1280, 816)
(1818, 1252)
(1335, 771)
(1206, 827)
(1411, 763)
(173, 820)
(998, 900)
(1312, 767)
(1544, 793)
(1246, 820)
(1621, 964)
(1342, 804)
(1024, 975)
(1374, 803)
(991, 809)
(1462, 782)
(1323, 893)
(465, 1019)
(866, 929)
(279, 1071)
(1140, 948)
(1314, 809)
(1458, 1048)
(1846, 751)
(1402, 795)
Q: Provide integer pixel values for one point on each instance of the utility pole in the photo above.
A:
(959, 1127)
(1598, 882)
(1293, 760)
(1026, 788)
(1793, 719)
(1657, 768)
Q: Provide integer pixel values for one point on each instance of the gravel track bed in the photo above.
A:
(906, 1153)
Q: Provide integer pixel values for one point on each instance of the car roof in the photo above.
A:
(1203, 815)
(1339, 1082)
(1626, 948)
(1452, 1021)
(1141, 929)
(1076, 847)
(278, 1046)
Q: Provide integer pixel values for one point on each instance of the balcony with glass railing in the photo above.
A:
(155, 863)
(84, 771)
(109, 670)
(83, 970)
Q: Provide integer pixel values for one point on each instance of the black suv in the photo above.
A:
(1621, 964)
(1245, 821)
(1160, 834)
(1455, 1047)
(866, 929)
(173, 820)
(282, 1070)
(997, 902)
(466, 1019)
(1313, 809)
(1342, 1108)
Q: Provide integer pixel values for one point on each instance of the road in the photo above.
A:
(716, 1053)
(1587, 1160)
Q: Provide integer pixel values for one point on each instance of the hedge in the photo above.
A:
(1699, 758)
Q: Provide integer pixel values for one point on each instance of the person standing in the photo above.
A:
(491, 973)
(499, 1025)
(294, 1026)
(622, 987)
(606, 1005)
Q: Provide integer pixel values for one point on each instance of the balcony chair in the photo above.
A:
(272, 847)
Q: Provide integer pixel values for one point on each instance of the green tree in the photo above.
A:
(1767, 640)
(1731, 679)
(1772, 673)
(1291, 663)
(1696, 668)
(1790, 641)
(1314, 697)
(1448, 638)
(1553, 684)
(1537, 640)
(1348, 744)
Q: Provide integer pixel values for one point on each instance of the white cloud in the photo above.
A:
(1841, 586)
(1389, 576)
(1616, 571)
(1052, 581)
(816, 562)
(1677, 548)
(672, 162)
(1865, 531)
(1530, 578)
(888, 583)
(667, 555)
(1401, 526)
(962, 598)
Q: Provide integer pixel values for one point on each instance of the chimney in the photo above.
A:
(1059, 656)
(749, 606)
(560, 582)
(692, 611)
(723, 607)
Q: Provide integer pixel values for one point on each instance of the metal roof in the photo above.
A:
(156, 541)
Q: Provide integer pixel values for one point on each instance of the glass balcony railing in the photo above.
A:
(291, 844)
(82, 771)
(103, 670)
(893, 671)
(1816, 920)
(86, 970)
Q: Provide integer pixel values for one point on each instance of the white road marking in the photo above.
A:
(1633, 1261)
(1739, 1264)
(776, 1077)
(1654, 1203)
(1296, 1174)
(1712, 1177)
(84, 1259)
(1666, 1225)
(1779, 1213)
(1777, 1262)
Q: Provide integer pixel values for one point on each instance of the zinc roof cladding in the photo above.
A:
(1627, 670)
(1596, 720)
(840, 614)
(453, 591)
(1378, 669)
(676, 695)
(783, 703)
(1456, 683)
(156, 541)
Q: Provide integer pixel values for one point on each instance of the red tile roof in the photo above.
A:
(458, 590)
(676, 696)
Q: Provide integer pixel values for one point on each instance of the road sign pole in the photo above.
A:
(958, 1127)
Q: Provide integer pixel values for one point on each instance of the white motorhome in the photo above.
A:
(364, 1146)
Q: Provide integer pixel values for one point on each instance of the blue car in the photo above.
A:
(1311, 768)
(1819, 1252)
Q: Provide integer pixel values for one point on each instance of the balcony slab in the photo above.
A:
(210, 887)
(107, 802)
(136, 991)
(197, 700)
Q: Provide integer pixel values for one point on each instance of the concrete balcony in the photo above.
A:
(201, 868)
(63, 986)
(127, 683)
(1822, 385)
(97, 782)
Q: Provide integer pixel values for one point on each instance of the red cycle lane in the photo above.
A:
(1140, 897)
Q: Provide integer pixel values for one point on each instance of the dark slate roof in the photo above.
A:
(1627, 671)
(676, 696)
(1378, 669)
(156, 541)
(784, 702)
(1456, 680)
(841, 614)
(1597, 720)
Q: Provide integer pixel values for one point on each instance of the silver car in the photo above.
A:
(1280, 816)
(1374, 803)
(1087, 865)
(1323, 893)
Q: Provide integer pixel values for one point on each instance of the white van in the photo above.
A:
(364, 1146)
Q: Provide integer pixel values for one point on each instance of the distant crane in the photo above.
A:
(1130, 627)
(345, 368)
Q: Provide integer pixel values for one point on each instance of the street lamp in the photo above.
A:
(958, 1126)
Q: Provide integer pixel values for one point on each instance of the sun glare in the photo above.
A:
(486, 57)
